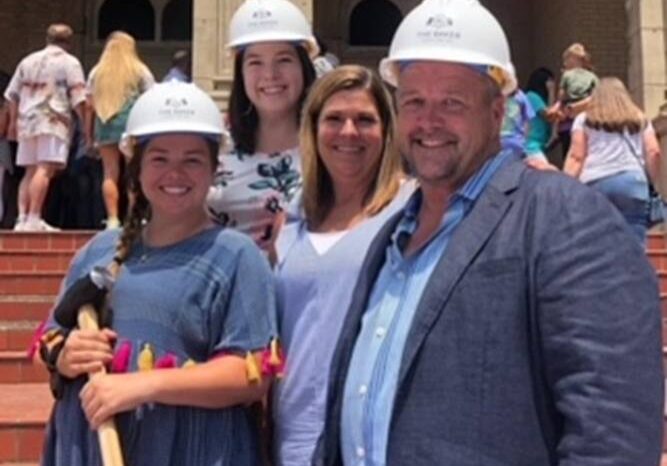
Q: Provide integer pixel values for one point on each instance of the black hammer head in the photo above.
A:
(90, 289)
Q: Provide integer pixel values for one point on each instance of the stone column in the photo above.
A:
(212, 63)
(647, 67)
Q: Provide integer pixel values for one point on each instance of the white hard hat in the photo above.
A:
(270, 21)
(458, 31)
(172, 107)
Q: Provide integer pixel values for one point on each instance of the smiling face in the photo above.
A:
(350, 139)
(273, 78)
(176, 172)
(449, 121)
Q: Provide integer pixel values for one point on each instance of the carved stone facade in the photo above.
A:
(626, 37)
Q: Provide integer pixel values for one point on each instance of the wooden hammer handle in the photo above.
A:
(107, 434)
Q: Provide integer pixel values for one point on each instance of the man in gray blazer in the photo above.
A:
(506, 317)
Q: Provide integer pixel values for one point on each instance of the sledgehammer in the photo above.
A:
(80, 305)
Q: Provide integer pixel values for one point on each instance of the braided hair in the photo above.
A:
(138, 214)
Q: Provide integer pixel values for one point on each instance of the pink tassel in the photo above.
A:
(121, 358)
(273, 362)
(34, 343)
(167, 361)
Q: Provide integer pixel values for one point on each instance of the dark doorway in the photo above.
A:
(373, 22)
(136, 17)
(177, 20)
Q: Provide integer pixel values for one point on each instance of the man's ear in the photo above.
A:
(498, 110)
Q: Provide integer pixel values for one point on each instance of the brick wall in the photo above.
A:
(24, 27)
(600, 24)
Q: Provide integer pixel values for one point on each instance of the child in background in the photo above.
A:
(576, 86)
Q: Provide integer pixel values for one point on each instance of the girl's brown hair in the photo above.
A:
(140, 211)
(318, 195)
(611, 109)
(243, 117)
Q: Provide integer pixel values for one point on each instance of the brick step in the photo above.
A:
(34, 260)
(19, 464)
(662, 279)
(56, 241)
(20, 307)
(24, 411)
(15, 367)
(30, 283)
(657, 257)
(17, 335)
(656, 240)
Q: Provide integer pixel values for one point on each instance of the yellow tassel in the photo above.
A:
(189, 363)
(251, 368)
(275, 355)
(146, 358)
(52, 338)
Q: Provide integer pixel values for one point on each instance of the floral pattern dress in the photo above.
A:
(250, 190)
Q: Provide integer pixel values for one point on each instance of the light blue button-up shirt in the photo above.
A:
(372, 377)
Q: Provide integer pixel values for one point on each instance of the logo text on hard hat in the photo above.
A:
(261, 14)
(176, 107)
(176, 103)
(440, 21)
(438, 28)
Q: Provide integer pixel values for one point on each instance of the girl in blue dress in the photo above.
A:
(192, 304)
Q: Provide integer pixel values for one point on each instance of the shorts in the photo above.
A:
(111, 131)
(45, 148)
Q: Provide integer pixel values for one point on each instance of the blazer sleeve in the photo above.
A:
(598, 309)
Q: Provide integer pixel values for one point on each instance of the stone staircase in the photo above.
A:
(31, 268)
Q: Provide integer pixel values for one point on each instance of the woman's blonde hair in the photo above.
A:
(118, 74)
(611, 108)
(318, 195)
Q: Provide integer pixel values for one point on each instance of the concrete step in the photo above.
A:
(24, 411)
(15, 368)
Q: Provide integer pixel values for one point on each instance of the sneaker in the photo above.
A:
(19, 225)
(38, 225)
(112, 222)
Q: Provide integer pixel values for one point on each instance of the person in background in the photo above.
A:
(613, 147)
(187, 346)
(325, 61)
(487, 327)
(114, 84)
(46, 86)
(180, 67)
(518, 113)
(6, 164)
(351, 186)
(272, 74)
(576, 86)
(540, 93)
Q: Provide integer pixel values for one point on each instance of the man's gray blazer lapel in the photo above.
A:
(466, 242)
